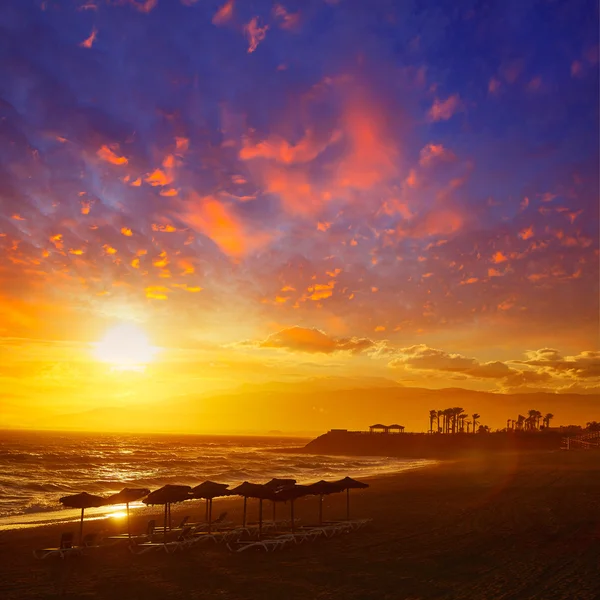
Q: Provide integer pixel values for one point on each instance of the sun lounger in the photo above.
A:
(183, 541)
(179, 527)
(64, 548)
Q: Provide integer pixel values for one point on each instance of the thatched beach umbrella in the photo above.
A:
(125, 496)
(210, 490)
(349, 484)
(291, 493)
(276, 484)
(253, 490)
(323, 488)
(82, 501)
(167, 495)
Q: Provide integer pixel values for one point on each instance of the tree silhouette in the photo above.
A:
(592, 426)
(520, 422)
(432, 418)
(475, 417)
(547, 418)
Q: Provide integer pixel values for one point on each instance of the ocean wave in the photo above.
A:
(36, 471)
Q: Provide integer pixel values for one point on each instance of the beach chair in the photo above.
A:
(184, 540)
(179, 527)
(65, 547)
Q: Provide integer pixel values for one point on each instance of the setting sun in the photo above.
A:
(125, 346)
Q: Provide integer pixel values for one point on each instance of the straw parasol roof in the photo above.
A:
(291, 493)
(323, 488)
(348, 484)
(210, 490)
(82, 501)
(253, 490)
(167, 495)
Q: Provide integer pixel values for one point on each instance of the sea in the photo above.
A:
(37, 468)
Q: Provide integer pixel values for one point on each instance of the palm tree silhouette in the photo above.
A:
(440, 413)
(432, 417)
(475, 417)
(533, 419)
(520, 422)
(547, 418)
(468, 426)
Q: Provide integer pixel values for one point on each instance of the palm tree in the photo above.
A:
(468, 426)
(432, 417)
(475, 416)
(547, 418)
(520, 422)
(533, 419)
(440, 413)
(462, 418)
(447, 416)
(456, 412)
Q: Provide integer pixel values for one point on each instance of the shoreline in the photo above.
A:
(523, 526)
(26, 521)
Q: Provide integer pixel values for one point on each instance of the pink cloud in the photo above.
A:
(442, 110)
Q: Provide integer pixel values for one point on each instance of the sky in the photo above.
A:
(198, 194)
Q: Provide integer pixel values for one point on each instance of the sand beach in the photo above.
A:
(493, 527)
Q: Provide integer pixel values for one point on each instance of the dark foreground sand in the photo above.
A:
(491, 528)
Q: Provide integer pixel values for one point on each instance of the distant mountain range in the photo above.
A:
(311, 407)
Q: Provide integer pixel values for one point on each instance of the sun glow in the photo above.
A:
(126, 347)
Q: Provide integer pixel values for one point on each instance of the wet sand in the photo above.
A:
(496, 527)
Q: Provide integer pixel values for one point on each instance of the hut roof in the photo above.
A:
(324, 487)
(127, 495)
(169, 494)
(349, 483)
(378, 426)
(210, 489)
(82, 500)
(253, 490)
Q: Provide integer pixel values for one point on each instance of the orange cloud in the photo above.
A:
(126, 231)
(442, 110)
(88, 42)
(157, 292)
(527, 233)
(287, 20)
(255, 34)
(372, 155)
(276, 148)
(321, 291)
(433, 153)
(224, 13)
(218, 222)
(498, 258)
(158, 178)
(105, 153)
(164, 228)
(303, 339)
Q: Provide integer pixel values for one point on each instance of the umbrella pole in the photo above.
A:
(244, 521)
(259, 518)
(128, 521)
(165, 527)
(81, 528)
(347, 504)
(292, 515)
(206, 511)
(274, 509)
(321, 509)
(209, 501)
